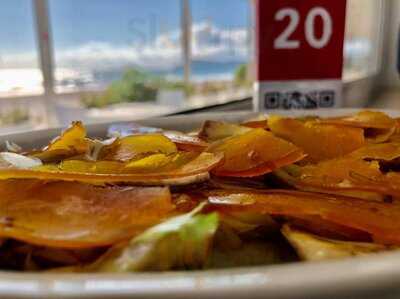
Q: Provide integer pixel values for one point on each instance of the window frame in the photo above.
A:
(379, 48)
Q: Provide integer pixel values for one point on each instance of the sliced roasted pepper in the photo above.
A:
(217, 130)
(129, 147)
(319, 141)
(70, 143)
(254, 153)
(76, 215)
(194, 170)
(378, 127)
(380, 220)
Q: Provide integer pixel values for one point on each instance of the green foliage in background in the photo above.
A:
(241, 76)
(134, 86)
(140, 86)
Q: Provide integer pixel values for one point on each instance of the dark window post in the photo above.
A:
(398, 52)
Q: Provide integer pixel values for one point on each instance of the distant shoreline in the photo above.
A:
(25, 80)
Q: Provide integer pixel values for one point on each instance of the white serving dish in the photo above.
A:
(375, 276)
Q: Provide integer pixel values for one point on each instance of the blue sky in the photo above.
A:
(16, 30)
(75, 22)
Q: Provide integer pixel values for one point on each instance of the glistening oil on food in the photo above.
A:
(265, 191)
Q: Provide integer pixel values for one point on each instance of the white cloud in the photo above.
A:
(18, 60)
(78, 64)
(209, 43)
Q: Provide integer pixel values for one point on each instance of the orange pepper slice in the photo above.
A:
(380, 220)
(254, 153)
(319, 141)
(75, 215)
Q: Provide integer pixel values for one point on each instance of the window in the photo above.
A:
(117, 51)
(116, 59)
(19, 69)
(20, 74)
(114, 52)
(362, 44)
(220, 48)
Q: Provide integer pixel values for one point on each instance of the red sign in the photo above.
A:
(299, 40)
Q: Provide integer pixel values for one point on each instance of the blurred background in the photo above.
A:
(107, 60)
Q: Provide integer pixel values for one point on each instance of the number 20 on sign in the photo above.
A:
(299, 53)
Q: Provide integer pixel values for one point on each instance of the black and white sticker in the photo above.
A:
(298, 95)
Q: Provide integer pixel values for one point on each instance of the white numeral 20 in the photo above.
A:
(283, 41)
